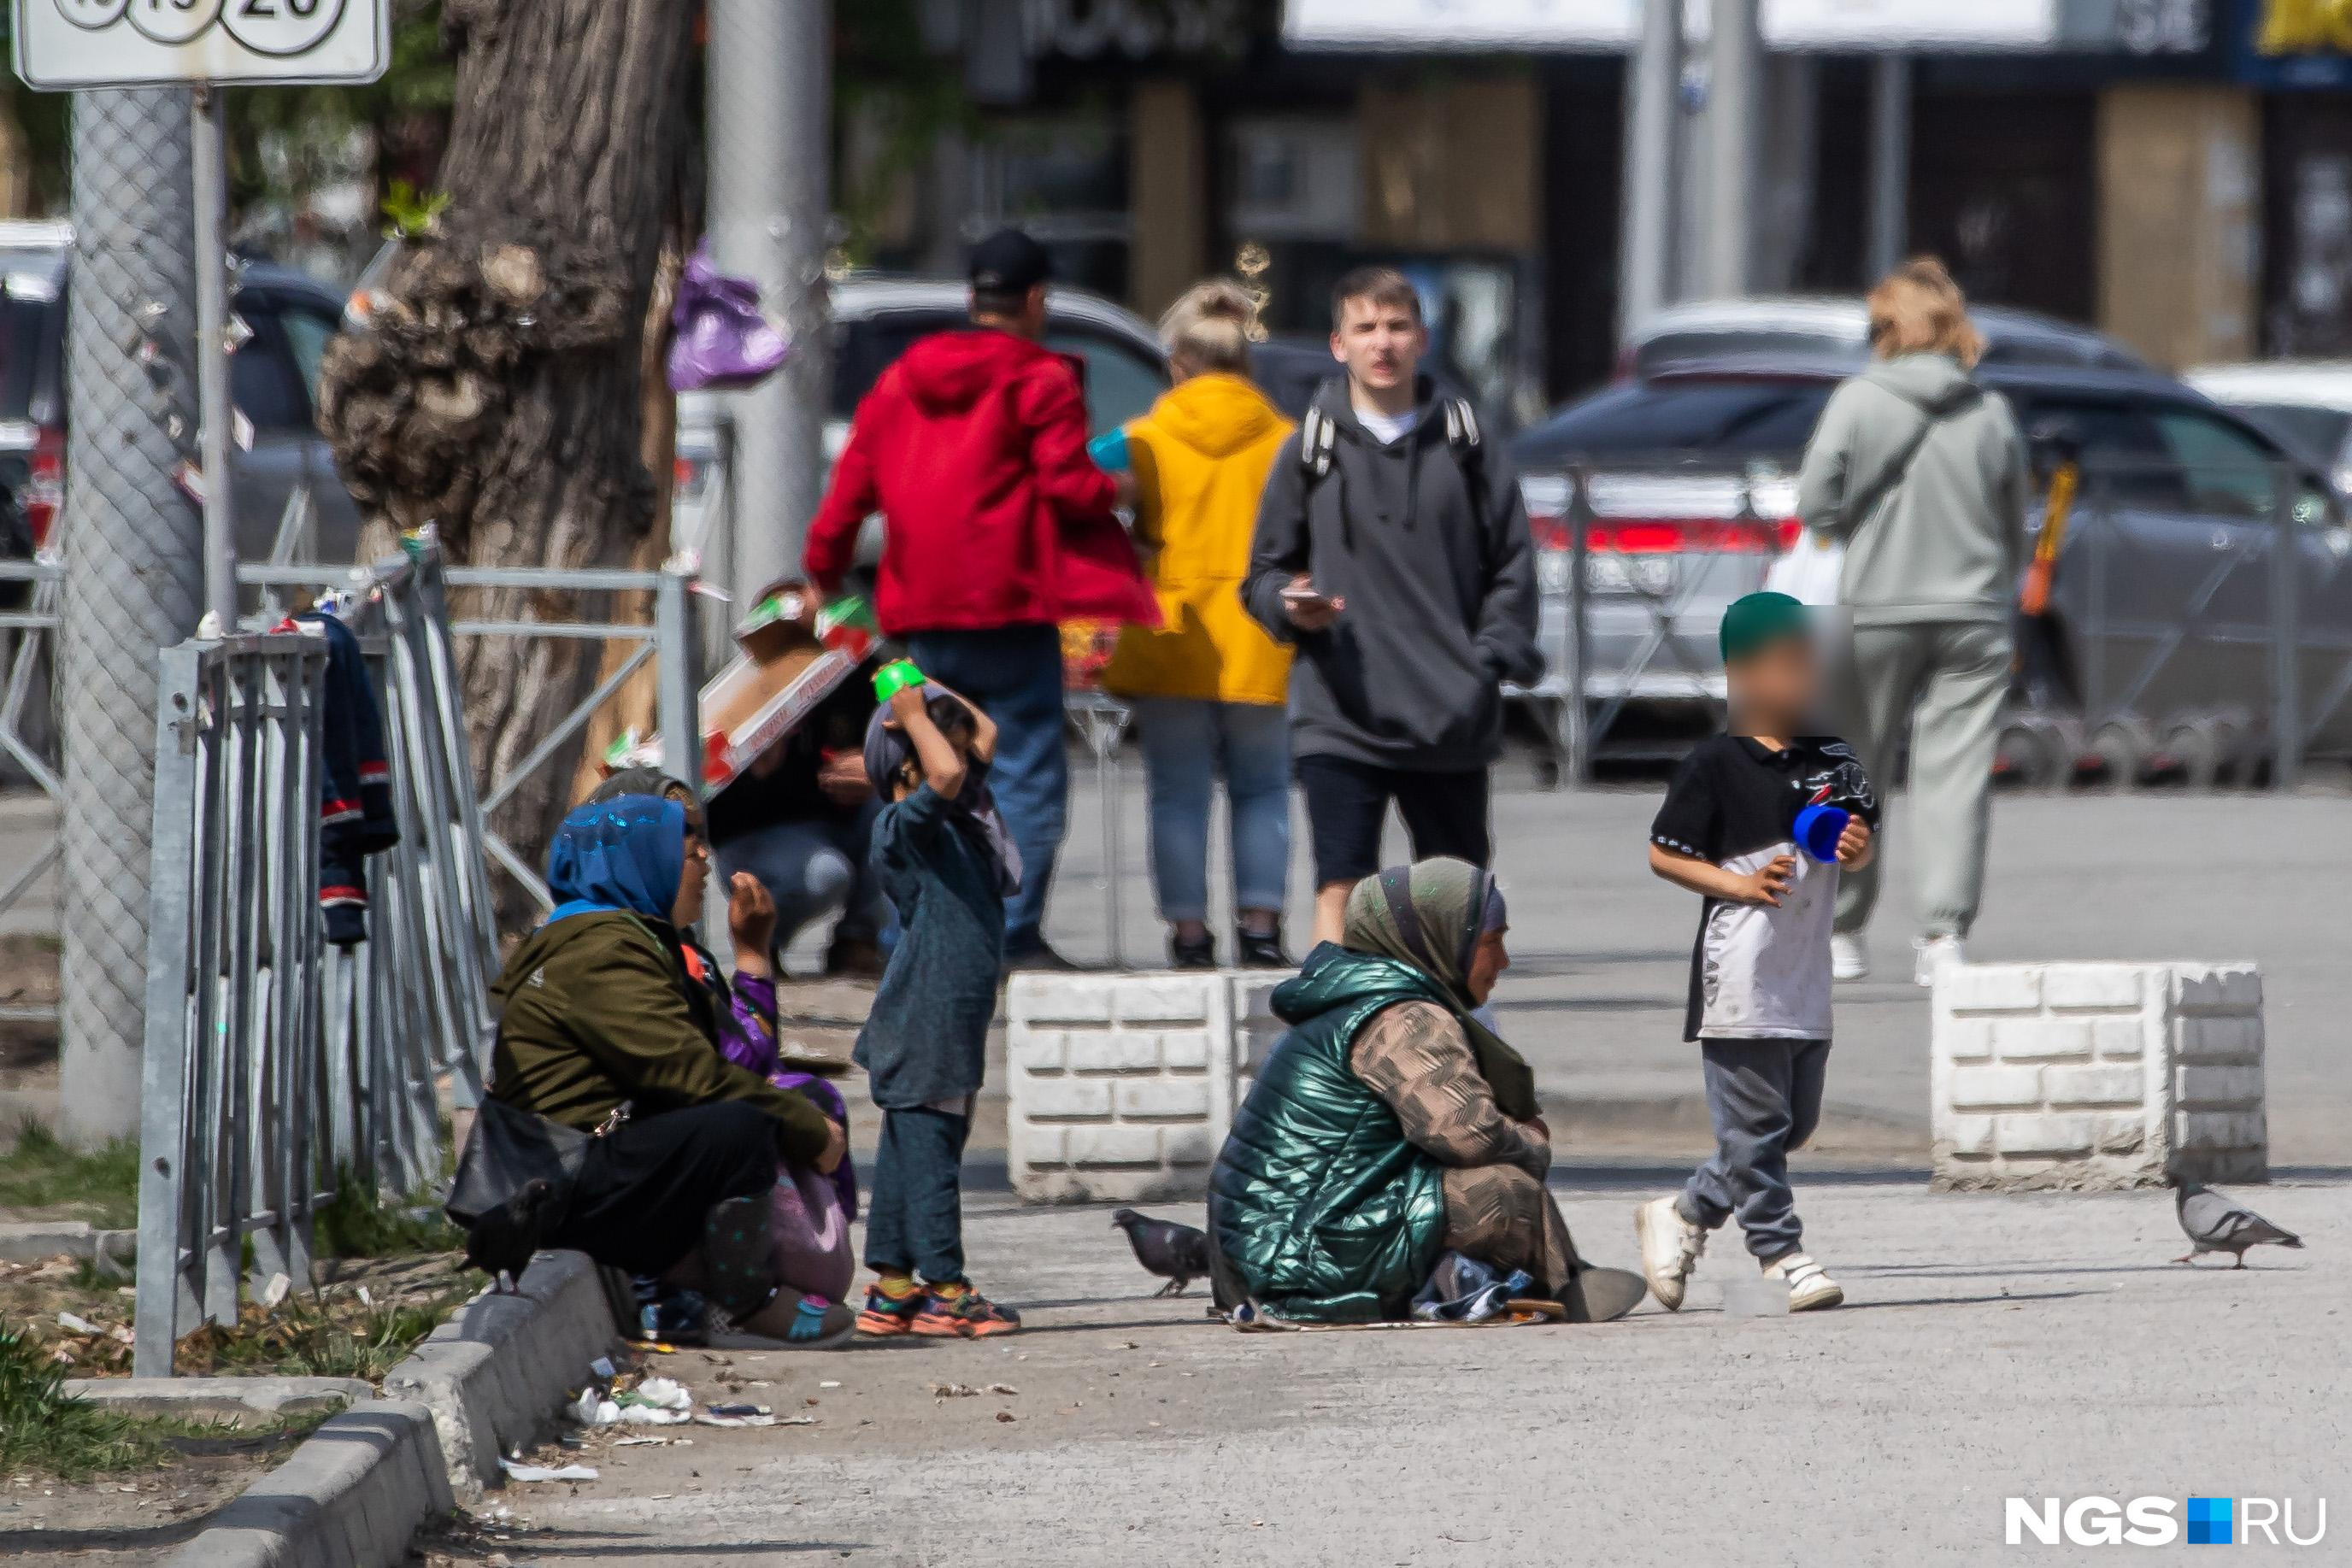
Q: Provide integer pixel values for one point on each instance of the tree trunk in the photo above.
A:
(499, 392)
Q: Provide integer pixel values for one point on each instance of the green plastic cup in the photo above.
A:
(895, 677)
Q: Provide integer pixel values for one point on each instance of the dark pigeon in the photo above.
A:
(501, 1241)
(2214, 1224)
(1177, 1253)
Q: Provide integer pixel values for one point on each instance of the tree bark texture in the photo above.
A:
(499, 392)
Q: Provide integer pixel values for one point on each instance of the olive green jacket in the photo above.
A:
(1319, 1201)
(592, 1015)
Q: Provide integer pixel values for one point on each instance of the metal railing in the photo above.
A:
(234, 1101)
(28, 728)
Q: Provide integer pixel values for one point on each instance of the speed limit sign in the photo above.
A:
(127, 43)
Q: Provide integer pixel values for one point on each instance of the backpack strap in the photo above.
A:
(1464, 441)
(1316, 435)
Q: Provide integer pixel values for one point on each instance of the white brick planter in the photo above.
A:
(2097, 1075)
(1120, 1087)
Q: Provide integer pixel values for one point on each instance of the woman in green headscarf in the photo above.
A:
(1389, 1126)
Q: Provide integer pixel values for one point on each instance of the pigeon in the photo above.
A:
(1177, 1253)
(2214, 1224)
(501, 1242)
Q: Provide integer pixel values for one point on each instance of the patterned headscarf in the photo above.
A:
(1431, 915)
(627, 853)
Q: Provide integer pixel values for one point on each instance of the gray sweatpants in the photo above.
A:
(1765, 1099)
(1948, 679)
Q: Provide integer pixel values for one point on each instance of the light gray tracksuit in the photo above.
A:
(1934, 551)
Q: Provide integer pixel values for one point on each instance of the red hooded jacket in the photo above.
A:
(973, 448)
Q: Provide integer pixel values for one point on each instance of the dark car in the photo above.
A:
(1691, 472)
(273, 380)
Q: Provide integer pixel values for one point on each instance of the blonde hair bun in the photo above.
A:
(1211, 326)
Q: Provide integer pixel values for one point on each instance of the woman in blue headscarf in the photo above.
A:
(600, 1031)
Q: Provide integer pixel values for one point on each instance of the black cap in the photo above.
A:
(1009, 262)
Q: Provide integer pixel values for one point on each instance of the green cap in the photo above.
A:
(895, 677)
(1759, 620)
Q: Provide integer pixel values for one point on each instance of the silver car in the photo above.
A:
(2166, 588)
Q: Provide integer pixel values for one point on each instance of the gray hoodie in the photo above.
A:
(1441, 593)
(1944, 540)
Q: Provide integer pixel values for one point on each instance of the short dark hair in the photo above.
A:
(998, 301)
(1381, 285)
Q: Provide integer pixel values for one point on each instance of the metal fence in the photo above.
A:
(2200, 623)
(233, 1144)
(29, 731)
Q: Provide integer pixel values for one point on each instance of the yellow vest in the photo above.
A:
(1200, 458)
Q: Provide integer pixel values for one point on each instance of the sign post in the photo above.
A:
(73, 44)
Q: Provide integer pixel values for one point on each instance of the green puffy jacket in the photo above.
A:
(1319, 1203)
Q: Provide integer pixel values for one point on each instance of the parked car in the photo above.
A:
(273, 380)
(1692, 494)
(1710, 330)
(875, 320)
(2306, 404)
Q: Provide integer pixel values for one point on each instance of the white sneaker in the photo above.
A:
(1670, 1249)
(1810, 1285)
(1932, 953)
(1849, 959)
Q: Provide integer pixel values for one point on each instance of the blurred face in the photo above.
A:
(697, 874)
(1486, 966)
(1381, 345)
(1775, 687)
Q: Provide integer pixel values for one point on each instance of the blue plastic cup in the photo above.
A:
(1818, 827)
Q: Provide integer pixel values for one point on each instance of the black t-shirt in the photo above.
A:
(790, 794)
(1762, 973)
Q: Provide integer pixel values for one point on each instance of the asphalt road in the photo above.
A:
(1994, 1346)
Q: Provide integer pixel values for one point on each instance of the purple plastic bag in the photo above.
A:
(721, 341)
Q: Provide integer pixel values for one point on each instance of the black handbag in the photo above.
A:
(508, 1148)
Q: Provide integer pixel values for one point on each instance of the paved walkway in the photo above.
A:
(2035, 1346)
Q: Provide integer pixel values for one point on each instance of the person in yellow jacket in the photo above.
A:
(1208, 685)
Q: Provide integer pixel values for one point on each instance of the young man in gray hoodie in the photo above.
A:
(1392, 549)
(1921, 474)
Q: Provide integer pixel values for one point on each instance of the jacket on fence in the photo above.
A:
(355, 812)
(594, 1013)
(1431, 550)
(1322, 1205)
(1922, 473)
(1200, 460)
(973, 448)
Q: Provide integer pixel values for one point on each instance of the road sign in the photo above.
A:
(133, 43)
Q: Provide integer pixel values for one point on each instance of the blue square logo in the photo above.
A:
(2209, 1521)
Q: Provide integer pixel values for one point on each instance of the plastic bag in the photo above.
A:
(721, 341)
(1807, 570)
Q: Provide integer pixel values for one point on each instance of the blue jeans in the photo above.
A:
(1015, 673)
(1187, 742)
(814, 870)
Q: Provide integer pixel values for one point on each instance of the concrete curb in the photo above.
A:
(38, 1241)
(493, 1377)
(237, 1400)
(351, 1497)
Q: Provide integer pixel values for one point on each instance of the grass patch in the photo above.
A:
(360, 1223)
(336, 1337)
(101, 1186)
(44, 1429)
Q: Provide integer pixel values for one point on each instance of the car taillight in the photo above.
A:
(45, 488)
(1658, 536)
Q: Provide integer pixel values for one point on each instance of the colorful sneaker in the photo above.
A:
(958, 1312)
(886, 1314)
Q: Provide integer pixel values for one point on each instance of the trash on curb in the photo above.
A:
(515, 1472)
(953, 1391)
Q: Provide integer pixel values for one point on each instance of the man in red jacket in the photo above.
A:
(997, 528)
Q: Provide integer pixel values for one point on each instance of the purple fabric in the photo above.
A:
(747, 1037)
(719, 340)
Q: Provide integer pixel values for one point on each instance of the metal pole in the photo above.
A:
(216, 417)
(1890, 165)
(769, 132)
(1653, 97)
(1733, 94)
(1580, 545)
(133, 581)
(2287, 574)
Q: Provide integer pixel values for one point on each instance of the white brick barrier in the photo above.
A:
(1120, 1087)
(2097, 1075)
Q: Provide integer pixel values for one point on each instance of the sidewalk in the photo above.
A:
(2034, 1346)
